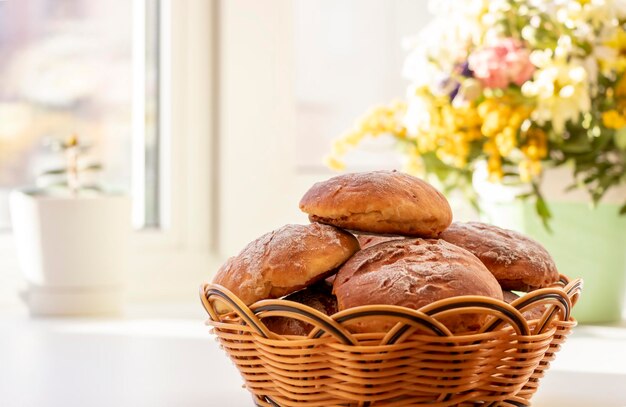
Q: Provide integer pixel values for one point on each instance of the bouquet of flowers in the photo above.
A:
(514, 85)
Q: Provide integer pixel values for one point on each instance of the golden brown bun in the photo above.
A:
(286, 260)
(318, 296)
(413, 273)
(379, 202)
(531, 313)
(366, 241)
(509, 296)
(518, 262)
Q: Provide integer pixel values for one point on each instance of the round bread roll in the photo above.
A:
(285, 260)
(413, 273)
(379, 202)
(518, 262)
(531, 313)
(366, 241)
(318, 296)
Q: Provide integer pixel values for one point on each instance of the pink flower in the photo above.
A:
(503, 62)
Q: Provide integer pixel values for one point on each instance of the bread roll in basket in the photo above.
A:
(445, 343)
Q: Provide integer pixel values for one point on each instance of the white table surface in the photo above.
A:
(164, 356)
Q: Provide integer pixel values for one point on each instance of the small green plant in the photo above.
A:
(71, 175)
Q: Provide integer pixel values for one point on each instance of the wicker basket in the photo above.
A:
(418, 362)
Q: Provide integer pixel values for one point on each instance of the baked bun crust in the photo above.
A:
(379, 202)
(286, 260)
(318, 296)
(366, 241)
(518, 262)
(530, 313)
(413, 273)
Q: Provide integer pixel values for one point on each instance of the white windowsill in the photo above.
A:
(162, 354)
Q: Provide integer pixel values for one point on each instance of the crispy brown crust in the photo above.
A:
(531, 313)
(286, 260)
(318, 296)
(517, 261)
(413, 273)
(379, 202)
(366, 241)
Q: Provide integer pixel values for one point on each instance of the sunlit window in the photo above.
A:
(67, 67)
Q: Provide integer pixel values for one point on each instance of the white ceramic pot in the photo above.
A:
(73, 251)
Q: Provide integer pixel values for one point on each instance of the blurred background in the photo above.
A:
(214, 130)
(212, 118)
(231, 119)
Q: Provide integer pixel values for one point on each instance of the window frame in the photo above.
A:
(165, 261)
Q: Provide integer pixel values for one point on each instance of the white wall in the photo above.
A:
(294, 74)
(348, 57)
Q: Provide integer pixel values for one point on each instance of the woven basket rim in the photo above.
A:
(559, 298)
(501, 364)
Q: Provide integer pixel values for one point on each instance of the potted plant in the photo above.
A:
(525, 99)
(72, 240)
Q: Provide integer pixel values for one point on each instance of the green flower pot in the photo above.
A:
(586, 243)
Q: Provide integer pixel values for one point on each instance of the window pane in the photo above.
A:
(152, 103)
(67, 68)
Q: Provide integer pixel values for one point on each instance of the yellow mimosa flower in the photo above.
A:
(494, 167)
(620, 88)
(612, 119)
(529, 169)
(506, 141)
(334, 163)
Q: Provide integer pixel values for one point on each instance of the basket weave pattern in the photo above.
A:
(418, 362)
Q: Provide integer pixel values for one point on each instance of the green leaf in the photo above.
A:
(542, 208)
(55, 171)
(622, 210)
(60, 171)
(600, 142)
(544, 213)
(578, 142)
(620, 138)
(582, 167)
(91, 167)
(591, 178)
(525, 195)
(91, 187)
(577, 146)
(56, 185)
